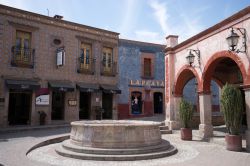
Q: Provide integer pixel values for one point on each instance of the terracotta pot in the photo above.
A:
(234, 142)
(186, 134)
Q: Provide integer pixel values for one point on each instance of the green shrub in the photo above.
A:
(232, 108)
(186, 113)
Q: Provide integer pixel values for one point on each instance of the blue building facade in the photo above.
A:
(141, 79)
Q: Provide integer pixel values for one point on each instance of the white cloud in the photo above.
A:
(188, 25)
(160, 13)
(149, 36)
(130, 12)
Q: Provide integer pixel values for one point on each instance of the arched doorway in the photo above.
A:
(187, 86)
(185, 74)
(223, 67)
(158, 103)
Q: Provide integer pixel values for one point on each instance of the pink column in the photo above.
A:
(205, 127)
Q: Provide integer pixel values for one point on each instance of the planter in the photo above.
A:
(234, 142)
(186, 134)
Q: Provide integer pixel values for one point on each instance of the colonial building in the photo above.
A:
(141, 79)
(50, 66)
(220, 54)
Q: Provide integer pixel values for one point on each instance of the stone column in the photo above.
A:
(177, 100)
(205, 127)
(247, 99)
(171, 114)
(169, 92)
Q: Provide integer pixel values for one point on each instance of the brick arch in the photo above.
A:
(212, 64)
(185, 74)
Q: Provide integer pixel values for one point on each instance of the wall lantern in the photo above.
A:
(233, 40)
(191, 56)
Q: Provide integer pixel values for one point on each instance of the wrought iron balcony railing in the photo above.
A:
(86, 66)
(22, 57)
(110, 70)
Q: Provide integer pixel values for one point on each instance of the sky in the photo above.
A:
(142, 20)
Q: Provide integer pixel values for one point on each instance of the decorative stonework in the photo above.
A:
(115, 140)
(115, 134)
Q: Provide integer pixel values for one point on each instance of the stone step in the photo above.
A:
(83, 156)
(165, 145)
(166, 131)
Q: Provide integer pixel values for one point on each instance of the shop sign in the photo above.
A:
(42, 100)
(72, 102)
(147, 83)
(42, 96)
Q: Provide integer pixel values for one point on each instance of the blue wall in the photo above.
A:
(130, 69)
(130, 64)
(189, 92)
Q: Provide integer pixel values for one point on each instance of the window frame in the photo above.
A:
(83, 58)
(107, 59)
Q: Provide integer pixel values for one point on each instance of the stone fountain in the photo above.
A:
(115, 140)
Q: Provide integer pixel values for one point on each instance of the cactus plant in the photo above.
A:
(232, 108)
(186, 113)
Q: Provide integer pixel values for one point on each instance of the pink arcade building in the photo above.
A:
(221, 54)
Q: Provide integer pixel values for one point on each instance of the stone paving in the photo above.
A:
(197, 152)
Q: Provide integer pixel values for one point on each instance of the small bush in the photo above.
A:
(186, 113)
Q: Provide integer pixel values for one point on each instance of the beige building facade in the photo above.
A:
(50, 66)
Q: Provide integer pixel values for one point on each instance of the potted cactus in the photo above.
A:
(186, 114)
(232, 108)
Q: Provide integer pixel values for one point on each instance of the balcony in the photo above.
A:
(22, 57)
(86, 66)
(109, 71)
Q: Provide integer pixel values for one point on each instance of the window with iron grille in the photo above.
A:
(22, 53)
(85, 56)
(107, 59)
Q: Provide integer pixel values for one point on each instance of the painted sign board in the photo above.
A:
(42, 96)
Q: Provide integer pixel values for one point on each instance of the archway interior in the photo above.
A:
(222, 71)
(228, 71)
(190, 93)
(215, 97)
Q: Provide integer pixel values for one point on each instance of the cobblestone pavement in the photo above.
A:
(13, 148)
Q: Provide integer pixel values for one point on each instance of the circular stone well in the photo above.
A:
(115, 140)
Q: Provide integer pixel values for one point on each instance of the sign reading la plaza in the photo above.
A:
(152, 83)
